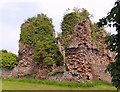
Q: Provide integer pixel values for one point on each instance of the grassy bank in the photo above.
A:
(32, 84)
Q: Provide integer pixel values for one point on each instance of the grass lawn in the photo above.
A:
(31, 84)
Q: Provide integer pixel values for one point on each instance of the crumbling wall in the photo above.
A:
(27, 67)
(83, 52)
(99, 73)
(4, 73)
(84, 58)
(26, 63)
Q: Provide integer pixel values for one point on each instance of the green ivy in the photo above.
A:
(38, 32)
(69, 21)
(93, 31)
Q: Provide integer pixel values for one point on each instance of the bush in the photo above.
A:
(8, 60)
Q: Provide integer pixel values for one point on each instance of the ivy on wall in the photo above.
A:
(39, 32)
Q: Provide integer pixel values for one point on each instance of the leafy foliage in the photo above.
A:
(69, 21)
(38, 32)
(93, 28)
(36, 28)
(8, 59)
(113, 19)
(53, 73)
(83, 12)
(73, 18)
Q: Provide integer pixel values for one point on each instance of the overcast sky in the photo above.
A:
(14, 12)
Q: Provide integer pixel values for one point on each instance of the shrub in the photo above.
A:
(8, 60)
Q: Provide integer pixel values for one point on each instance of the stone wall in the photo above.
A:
(99, 72)
(26, 63)
(83, 55)
(84, 59)
(5, 73)
(27, 67)
(78, 63)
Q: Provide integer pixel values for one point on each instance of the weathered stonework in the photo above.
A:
(27, 67)
(84, 59)
(26, 63)
(83, 55)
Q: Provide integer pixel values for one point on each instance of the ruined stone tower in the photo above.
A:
(86, 58)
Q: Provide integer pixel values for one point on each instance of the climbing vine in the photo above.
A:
(73, 18)
(69, 21)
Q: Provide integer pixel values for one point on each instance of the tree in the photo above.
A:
(38, 33)
(8, 59)
(113, 19)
